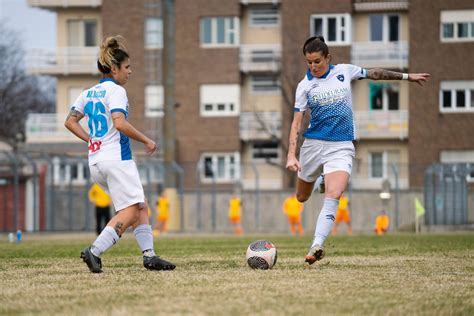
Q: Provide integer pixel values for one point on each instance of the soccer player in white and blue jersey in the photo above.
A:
(325, 92)
(110, 156)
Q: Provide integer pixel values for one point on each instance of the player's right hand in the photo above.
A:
(150, 147)
(293, 164)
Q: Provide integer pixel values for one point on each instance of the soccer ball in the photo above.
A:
(261, 254)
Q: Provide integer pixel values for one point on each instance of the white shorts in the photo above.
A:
(121, 180)
(333, 156)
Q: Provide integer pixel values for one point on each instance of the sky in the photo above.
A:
(37, 27)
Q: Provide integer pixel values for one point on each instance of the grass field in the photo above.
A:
(361, 275)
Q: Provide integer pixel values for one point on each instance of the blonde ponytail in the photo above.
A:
(112, 52)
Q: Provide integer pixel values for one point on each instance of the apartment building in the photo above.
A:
(442, 118)
(238, 63)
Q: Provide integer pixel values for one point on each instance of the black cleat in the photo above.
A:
(156, 263)
(316, 253)
(93, 263)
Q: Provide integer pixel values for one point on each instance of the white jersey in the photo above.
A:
(98, 103)
(330, 102)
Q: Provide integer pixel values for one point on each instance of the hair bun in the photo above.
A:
(112, 43)
(321, 38)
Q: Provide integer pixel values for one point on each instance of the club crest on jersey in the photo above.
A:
(340, 78)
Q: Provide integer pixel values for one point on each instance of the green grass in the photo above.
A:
(362, 275)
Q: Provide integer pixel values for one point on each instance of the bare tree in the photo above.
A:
(20, 93)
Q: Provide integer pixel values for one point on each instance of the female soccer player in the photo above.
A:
(326, 92)
(110, 157)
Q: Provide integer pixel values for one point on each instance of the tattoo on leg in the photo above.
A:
(118, 228)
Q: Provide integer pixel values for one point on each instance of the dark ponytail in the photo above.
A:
(315, 44)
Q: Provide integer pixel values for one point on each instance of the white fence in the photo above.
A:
(62, 60)
(379, 54)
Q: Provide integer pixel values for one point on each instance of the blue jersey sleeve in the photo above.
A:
(118, 101)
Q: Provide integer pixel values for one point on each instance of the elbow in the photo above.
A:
(119, 126)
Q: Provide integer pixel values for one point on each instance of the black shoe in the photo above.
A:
(316, 253)
(156, 263)
(94, 263)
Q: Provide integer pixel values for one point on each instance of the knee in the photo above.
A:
(301, 197)
(334, 193)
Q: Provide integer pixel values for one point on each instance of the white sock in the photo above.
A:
(325, 221)
(107, 238)
(144, 238)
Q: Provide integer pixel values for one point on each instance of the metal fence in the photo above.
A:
(446, 193)
(46, 193)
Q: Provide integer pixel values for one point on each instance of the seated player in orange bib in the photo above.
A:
(293, 209)
(343, 215)
(382, 222)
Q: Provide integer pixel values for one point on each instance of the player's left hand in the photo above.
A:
(150, 147)
(419, 78)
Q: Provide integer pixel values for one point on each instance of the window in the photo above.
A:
(457, 26)
(264, 16)
(220, 99)
(153, 33)
(265, 84)
(377, 165)
(456, 96)
(222, 167)
(82, 33)
(265, 150)
(66, 171)
(384, 28)
(460, 156)
(154, 101)
(384, 96)
(336, 28)
(219, 31)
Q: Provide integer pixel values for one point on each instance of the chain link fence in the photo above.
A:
(39, 192)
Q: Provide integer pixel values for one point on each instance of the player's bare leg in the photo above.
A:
(109, 237)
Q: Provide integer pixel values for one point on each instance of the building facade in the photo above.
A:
(237, 64)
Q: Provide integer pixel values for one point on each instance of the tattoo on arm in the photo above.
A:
(383, 74)
(76, 114)
(294, 141)
(118, 228)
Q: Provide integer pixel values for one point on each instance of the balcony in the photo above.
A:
(260, 58)
(62, 61)
(245, 2)
(380, 54)
(51, 4)
(381, 124)
(49, 128)
(260, 125)
(380, 5)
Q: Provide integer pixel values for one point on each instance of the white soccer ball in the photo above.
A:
(261, 254)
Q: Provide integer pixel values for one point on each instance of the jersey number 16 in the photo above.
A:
(97, 119)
